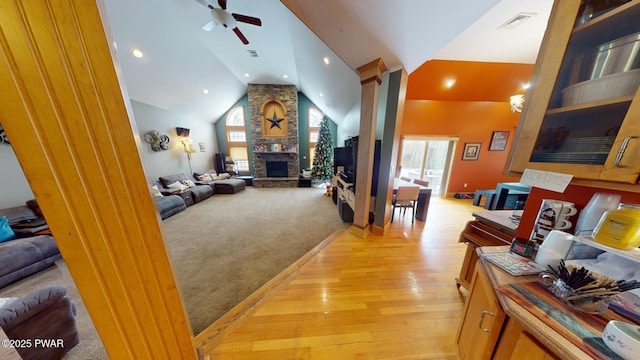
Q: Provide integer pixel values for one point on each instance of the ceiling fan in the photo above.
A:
(228, 20)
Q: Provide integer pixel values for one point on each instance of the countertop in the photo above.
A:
(547, 336)
(500, 218)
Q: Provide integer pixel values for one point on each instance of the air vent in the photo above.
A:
(517, 20)
(253, 53)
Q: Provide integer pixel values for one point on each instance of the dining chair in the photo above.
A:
(424, 183)
(405, 178)
(406, 197)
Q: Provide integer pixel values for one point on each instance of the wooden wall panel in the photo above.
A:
(64, 109)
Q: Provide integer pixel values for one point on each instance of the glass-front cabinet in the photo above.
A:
(582, 114)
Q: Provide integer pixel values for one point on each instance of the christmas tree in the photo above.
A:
(323, 158)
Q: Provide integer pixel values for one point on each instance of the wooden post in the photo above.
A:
(370, 79)
(66, 114)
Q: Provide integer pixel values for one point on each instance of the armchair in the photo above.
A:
(46, 315)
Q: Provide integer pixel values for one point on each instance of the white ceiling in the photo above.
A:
(180, 59)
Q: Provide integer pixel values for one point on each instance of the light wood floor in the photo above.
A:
(390, 297)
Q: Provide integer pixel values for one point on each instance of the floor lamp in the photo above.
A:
(189, 149)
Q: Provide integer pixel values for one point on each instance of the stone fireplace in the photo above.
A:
(274, 132)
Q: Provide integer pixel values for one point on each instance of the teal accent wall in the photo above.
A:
(303, 130)
(221, 134)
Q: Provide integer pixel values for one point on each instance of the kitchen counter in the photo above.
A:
(498, 218)
(541, 331)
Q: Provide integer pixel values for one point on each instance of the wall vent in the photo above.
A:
(517, 20)
(253, 53)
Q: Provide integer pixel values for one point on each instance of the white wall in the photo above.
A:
(15, 189)
(174, 160)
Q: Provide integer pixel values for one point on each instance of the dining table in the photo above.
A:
(424, 196)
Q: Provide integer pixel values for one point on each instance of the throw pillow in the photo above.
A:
(205, 177)
(5, 301)
(178, 186)
(6, 233)
(223, 176)
(188, 183)
(156, 191)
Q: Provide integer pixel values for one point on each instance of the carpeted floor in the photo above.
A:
(222, 249)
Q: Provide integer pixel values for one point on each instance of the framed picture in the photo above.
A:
(471, 151)
(499, 141)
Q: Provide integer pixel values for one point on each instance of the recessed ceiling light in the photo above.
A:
(526, 86)
(137, 53)
(205, 91)
(246, 75)
(321, 95)
(326, 60)
(285, 76)
(449, 83)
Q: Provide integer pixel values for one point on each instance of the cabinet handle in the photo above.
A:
(482, 319)
(623, 147)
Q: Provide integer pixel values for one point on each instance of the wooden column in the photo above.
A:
(65, 112)
(394, 113)
(370, 78)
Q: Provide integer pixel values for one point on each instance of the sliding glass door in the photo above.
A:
(428, 159)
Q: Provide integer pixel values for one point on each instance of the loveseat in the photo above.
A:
(33, 249)
(225, 185)
(45, 319)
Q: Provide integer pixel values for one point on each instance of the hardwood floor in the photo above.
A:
(383, 297)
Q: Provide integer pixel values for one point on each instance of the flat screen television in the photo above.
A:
(342, 157)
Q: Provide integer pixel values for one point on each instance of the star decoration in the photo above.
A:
(275, 121)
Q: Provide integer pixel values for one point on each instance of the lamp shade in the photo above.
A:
(182, 131)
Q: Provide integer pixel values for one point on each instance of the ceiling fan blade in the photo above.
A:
(223, 4)
(210, 25)
(205, 3)
(247, 19)
(240, 35)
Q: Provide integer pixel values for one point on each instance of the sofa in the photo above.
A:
(199, 191)
(33, 249)
(167, 203)
(45, 319)
(224, 185)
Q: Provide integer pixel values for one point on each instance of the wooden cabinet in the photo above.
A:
(516, 343)
(476, 234)
(593, 140)
(482, 320)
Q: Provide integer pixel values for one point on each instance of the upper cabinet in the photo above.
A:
(582, 113)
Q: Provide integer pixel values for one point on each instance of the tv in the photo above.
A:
(341, 157)
(351, 146)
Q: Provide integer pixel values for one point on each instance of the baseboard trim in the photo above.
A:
(360, 232)
(210, 337)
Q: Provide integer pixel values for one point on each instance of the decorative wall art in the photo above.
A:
(274, 119)
(471, 151)
(499, 141)
(158, 142)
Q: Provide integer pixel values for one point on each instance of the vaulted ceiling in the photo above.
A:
(181, 60)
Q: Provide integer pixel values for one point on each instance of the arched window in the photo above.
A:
(237, 139)
(315, 118)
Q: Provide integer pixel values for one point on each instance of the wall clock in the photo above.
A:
(274, 119)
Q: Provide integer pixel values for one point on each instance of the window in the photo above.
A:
(315, 118)
(237, 139)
